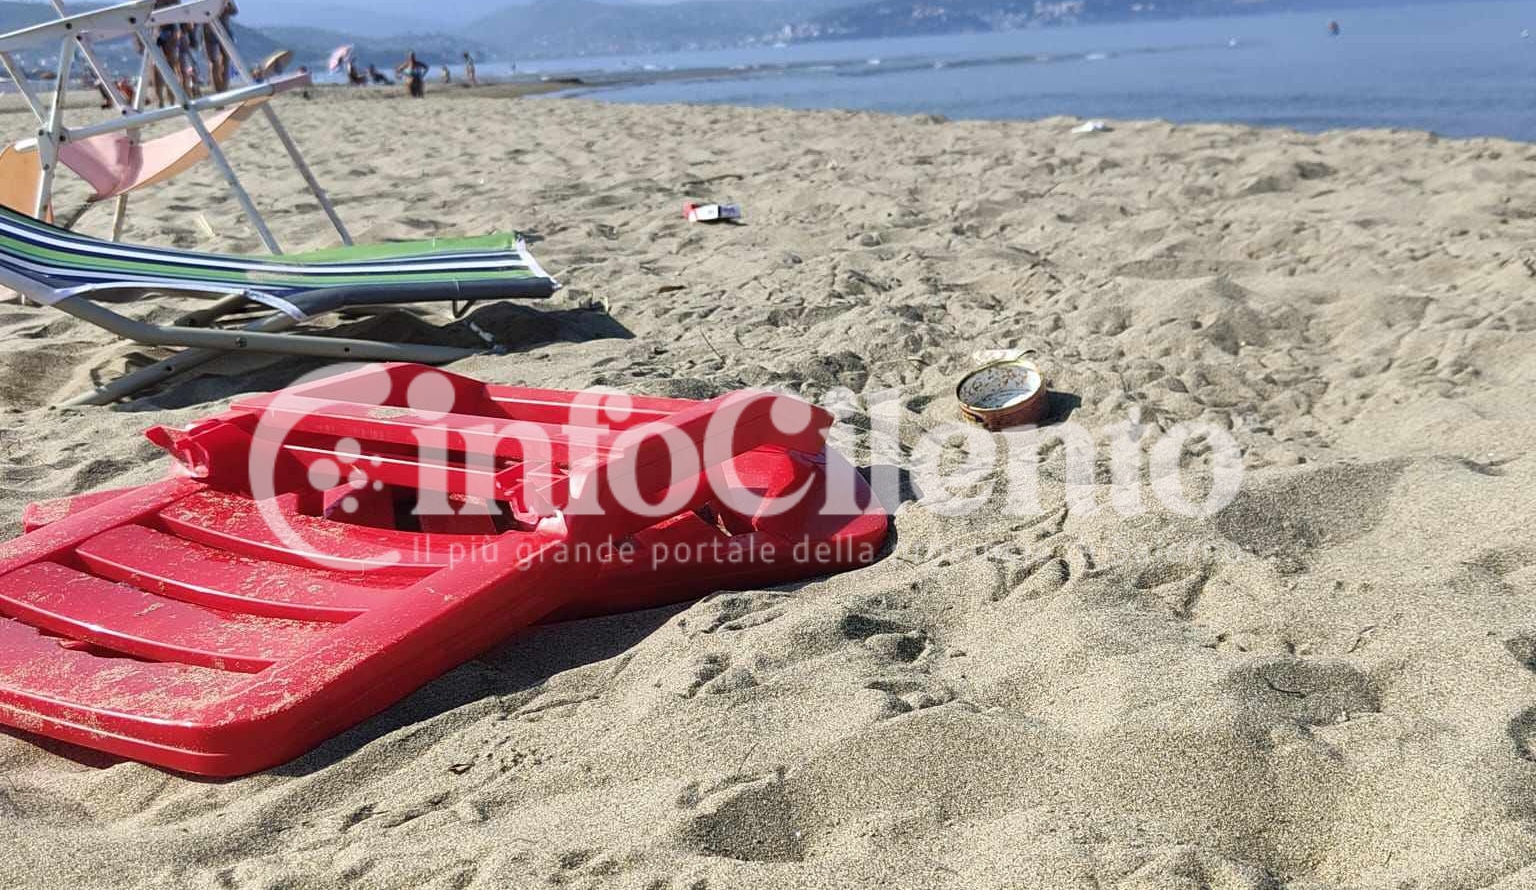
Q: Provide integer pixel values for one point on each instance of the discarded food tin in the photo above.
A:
(1004, 393)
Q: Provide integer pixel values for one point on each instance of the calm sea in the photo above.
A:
(1457, 69)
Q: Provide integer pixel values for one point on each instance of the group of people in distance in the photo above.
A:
(363, 78)
(412, 71)
(181, 43)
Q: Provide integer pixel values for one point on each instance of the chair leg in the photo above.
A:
(258, 336)
(205, 317)
(263, 335)
(232, 53)
(139, 380)
(184, 360)
(215, 153)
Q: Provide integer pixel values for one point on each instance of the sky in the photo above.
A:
(378, 17)
(408, 12)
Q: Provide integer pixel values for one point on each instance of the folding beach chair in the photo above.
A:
(110, 155)
(73, 272)
(215, 625)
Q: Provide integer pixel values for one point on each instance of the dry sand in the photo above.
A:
(1331, 683)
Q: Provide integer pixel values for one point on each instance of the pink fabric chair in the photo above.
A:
(116, 164)
(110, 154)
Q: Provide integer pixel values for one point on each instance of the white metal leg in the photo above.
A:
(215, 153)
(48, 157)
(309, 176)
(48, 144)
(61, 86)
(282, 135)
(140, 93)
(19, 77)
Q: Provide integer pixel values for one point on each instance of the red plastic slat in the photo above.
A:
(130, 621)
(60, 536)
(39, 674)
(452, 432)
(235, 523)
(427, 475)
(509, 484)
(44, 513)
(184, 570)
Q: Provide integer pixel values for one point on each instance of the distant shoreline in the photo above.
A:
(13, 103)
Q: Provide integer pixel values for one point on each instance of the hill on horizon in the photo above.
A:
(585, 27)
(523, 29)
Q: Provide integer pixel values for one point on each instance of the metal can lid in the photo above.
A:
(1005, 393)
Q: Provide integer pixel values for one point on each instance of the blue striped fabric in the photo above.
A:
(66, 263)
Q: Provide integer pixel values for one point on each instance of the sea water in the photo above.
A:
(1459, 69)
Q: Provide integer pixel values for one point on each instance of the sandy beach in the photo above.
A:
(1330, 683)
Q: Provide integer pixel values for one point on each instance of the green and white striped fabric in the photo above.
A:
(49, 264)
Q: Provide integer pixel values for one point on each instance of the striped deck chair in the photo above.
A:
(75, 273)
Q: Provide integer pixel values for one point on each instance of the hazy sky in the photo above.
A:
(266, 12)
(378, 16)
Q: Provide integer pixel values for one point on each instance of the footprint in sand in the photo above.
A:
(731, 612)
(583, 866)
(896, 696)
(1189, 866)
(1522, 728)
(710, 674)
(419, 225)
(749, 818)
(899, 647)
(1177, 584)
(889, 641)
(1509, 565)
(1044, 576)
(1289, 516)
(1177, 268)
(1274, 692)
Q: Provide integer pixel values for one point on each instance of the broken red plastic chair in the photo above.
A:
(329, 548)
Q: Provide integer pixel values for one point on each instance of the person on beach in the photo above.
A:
(165, 41)
(377, 76)
(447, 75)
(186, 60)
(218, 57)
(354, 76)
(469, 70)
(414, 73)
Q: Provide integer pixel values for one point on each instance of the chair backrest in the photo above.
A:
(116, 163)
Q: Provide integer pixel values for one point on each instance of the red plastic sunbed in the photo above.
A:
(329, 548)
